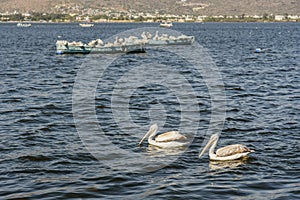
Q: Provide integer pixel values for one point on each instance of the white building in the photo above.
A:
(279, 17)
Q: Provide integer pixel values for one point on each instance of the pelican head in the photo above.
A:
(213, 139)
(153, 129)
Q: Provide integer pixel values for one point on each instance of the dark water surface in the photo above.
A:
(43, 157)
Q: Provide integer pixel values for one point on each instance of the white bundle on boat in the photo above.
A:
(109, 44)
(163, 37)
(182, 37)
(74, 43)
(172, 37)
(131, 39)
(61, 42)
(96, 43)
(118, 41)
(148, 35)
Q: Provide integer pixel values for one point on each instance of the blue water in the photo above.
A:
(44, 156)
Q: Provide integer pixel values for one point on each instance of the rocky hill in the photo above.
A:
(198, 7)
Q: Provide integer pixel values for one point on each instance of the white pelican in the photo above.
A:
(156, 36)
(165, 140)
(230, 152)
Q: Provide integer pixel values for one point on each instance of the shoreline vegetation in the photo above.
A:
(66, 18)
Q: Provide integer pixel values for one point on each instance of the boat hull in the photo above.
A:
(103, 49)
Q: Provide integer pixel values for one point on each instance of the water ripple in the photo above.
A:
(43, 157)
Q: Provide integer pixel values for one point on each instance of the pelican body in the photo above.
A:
(230, 152)
(166, 140)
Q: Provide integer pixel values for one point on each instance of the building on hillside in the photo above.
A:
(279, 17)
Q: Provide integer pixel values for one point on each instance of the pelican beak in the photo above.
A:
(145, 136)
(205, 148)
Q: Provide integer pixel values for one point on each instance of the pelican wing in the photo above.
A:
(170, 136)
(232, 150)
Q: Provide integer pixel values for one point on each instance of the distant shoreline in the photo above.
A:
(146, 22)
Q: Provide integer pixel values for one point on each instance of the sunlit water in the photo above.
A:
(43, 157)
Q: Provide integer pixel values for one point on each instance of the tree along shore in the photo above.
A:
(51, 17)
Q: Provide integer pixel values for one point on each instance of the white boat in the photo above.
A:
(171, 40)
(122, 45)
(166, 24)
(23, 24)
(164, 39)
(65, 47)
(86, 25)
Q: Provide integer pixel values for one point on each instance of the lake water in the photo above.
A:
(51, 127)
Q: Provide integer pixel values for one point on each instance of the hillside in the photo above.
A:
(199, 7)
